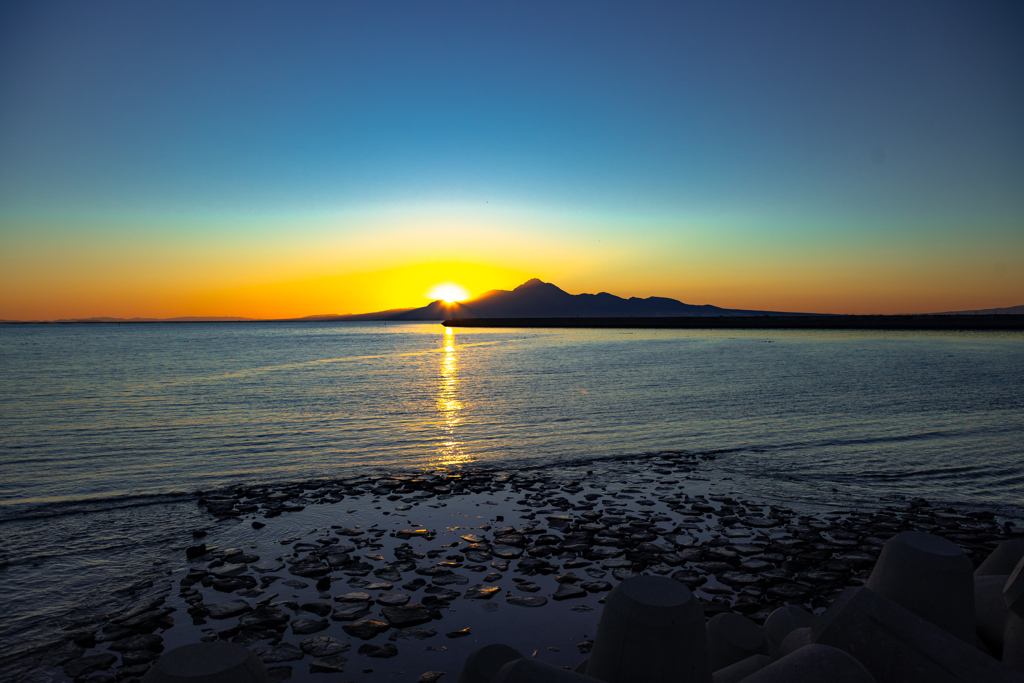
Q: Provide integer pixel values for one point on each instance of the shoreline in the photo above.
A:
(945, 322)
(576, 530)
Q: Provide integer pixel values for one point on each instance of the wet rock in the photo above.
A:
(367, 628)
(458, 634)
(150, 641)
(321, 609)
(416, 584)
(522, 601)
(450, 579)
(353, 597)
(406, 615)
(351, 611)
(393, 599)
(385, 651)
(323, 646)
(81, 666)
(310, 568)
(737, 578)
(481, 592)
(596, 586)
(430, 677)
(226, 610)
(264, 618)
(284, 652)
(329, 664)
(406, 534)
(567, 591)
(302, 627)
(136, 657)
(527, 587)
(194, 551)
(292, 583)
(387, 574)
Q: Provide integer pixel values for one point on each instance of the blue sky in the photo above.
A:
(610, 138)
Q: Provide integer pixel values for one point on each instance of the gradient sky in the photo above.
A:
(284, 159)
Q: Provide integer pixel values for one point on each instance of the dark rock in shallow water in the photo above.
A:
(353, 597)
(393, 599)
(150, 641)
(596, 586)
(285, 652)
(329, 664)
(87, 665)
(136, 657)
(385, 651)
(430, 677)
(450, 579)
(264, 618)
(278, 674)
(481, 592)
(410, 633)
(226, 610)
(406, 615)
(521, 601)
(567, 591)
(527, 587)
(458, 634)
(367, 628)
(323, 646)
(351, 611)
(309, 568)
(302, 627)
(321, 609)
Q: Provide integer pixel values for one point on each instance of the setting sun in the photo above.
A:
(449, 292)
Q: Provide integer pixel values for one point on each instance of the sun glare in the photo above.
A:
(449, 292)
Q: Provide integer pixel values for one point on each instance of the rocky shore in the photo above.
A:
(400, 577)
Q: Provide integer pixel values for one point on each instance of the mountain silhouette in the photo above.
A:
(537, 299)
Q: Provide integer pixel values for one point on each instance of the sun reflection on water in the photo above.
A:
(448, 405)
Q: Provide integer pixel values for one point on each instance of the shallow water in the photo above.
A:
(100, 425)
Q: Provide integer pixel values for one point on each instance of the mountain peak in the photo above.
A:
(532, 282)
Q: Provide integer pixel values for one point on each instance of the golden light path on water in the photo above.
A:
(448, 405)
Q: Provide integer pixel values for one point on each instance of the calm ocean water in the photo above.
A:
(100, 425)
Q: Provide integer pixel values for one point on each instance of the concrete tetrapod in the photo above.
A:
(782, 622)
(897, 646)
(528, 670)
(1013, 644)
(1003, 559)
(651, 631)
(734, 673)
(217, 662)
(1013, 591)
(732, 638)
(813, 664)
(990, 611)
(482, 664)
(929, 576)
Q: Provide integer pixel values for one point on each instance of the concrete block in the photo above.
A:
(929, 576)
(217, 662)
(1013, 644)
(651, 630)
(1003, 559)
(896, 645)
(1013, 591)
(528, 670)
(782, 622)
(813, 664)
(484, 663)
(581, 668)
(732, 638)
(990, 611)
(734, 673)
(797, 638)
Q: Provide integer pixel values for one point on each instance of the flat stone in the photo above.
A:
(367, 628)
(321, 609)
(481, 592)
(596, 586)
(568, 577)
(149, 641)
(522, 601)
(323, 646)
(458, 634)
(450, 580)
(737, 578)
(81, 666)
(297, 585)
(285, 652)
(264, 618)
(351, 611)
(410, 633)
(527, 587)
(473, 538)
(476, 556)
(309, 568)
(353, 597)
(393, 599)
(406, 615)
(568, 591)
(226, 610)
(302, 627)
(787, 591)
(385, 651)
(506, 551)
(430, 677)
(329, 664)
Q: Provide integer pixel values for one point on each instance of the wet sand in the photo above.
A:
(391, 578)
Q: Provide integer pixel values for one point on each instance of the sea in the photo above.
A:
(108, 430)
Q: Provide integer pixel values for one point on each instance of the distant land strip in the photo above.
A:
(773, 322)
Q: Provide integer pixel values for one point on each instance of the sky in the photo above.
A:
(269, 159)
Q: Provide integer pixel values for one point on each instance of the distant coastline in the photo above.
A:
(775, 322)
